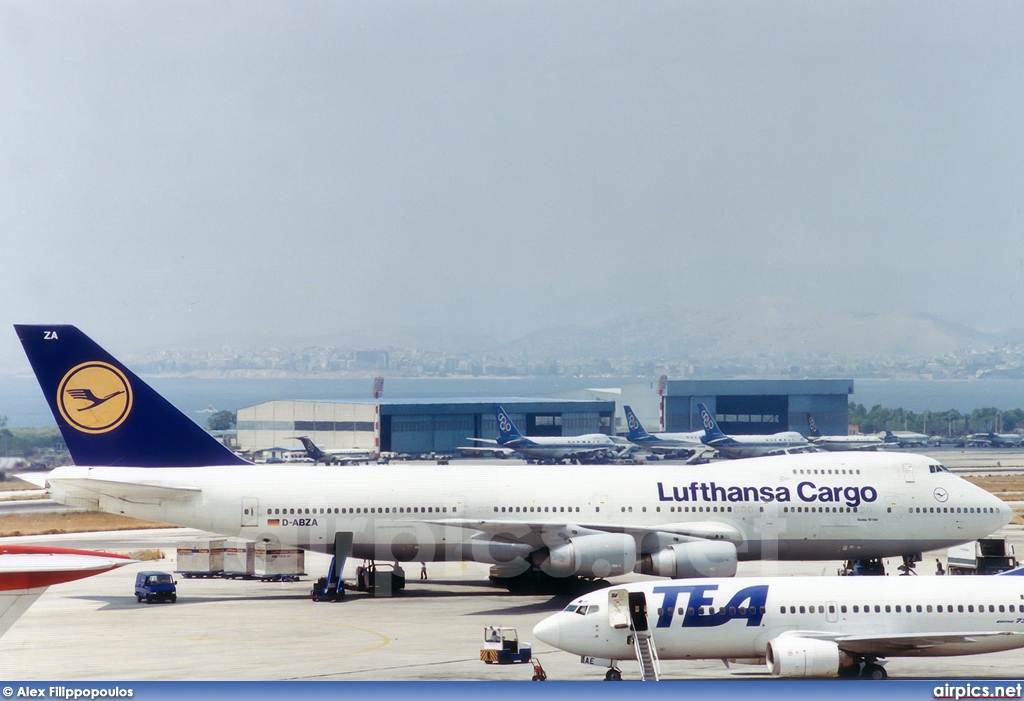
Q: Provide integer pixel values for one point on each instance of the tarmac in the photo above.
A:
(93, 629)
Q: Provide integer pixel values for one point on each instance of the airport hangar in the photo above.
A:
(414, 425)
(759, 406)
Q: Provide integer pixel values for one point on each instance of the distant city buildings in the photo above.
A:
(1002, 362)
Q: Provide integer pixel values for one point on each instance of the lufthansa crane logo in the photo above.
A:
(94, 397)
(940, 494)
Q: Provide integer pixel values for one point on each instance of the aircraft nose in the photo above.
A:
(548, 631)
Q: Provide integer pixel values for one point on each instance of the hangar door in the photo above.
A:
(747, 414)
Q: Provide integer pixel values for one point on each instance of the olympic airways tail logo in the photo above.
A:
(94, 397)
(631, 421)
(504, 423)
(706, 418)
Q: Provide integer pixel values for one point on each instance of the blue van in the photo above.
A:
(155, 586)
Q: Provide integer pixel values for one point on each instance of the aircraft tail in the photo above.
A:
(812, 427)
(507, 430)
(312, 450)
(889, 437)
(636, 429)
(711, 430)
(106, 414)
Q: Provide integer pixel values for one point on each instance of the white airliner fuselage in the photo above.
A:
(811, 506)
(836, 443)
(801, 626)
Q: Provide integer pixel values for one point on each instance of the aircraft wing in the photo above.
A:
(128, 491)
(930, 643)
(488, 441)
(540, 532)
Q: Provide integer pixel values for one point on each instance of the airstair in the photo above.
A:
(646, 655)
(643, 642)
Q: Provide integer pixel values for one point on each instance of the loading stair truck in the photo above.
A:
(985, 556)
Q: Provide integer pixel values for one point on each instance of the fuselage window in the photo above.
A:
(878, 609)
(991, 608)
(888, 609)
(960, 608)
(856, 609)
(928, 608)
(919, 608)
(842, 609)
(782, 609)
(899, 609)
(792, 609)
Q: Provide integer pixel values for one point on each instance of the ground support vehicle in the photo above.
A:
(502, 646)
(985, 556)
(155, 586)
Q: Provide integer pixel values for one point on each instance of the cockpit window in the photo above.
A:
(582, 610)
(571, 608)
(593, 609)
(938, 468)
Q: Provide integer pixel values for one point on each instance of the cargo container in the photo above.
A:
(276, 563)
(201, 558)
(239, 559)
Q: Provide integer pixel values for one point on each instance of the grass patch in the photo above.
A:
(85, 522)
(16, 485)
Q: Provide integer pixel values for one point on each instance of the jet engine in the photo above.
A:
(793, 656)
(700, 558)
(599, 555)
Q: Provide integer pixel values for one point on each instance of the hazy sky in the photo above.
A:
(178, 171)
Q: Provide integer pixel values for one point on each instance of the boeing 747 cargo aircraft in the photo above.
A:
(135, 454)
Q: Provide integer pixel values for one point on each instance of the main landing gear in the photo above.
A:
(613, 675)
(909, 563)
(870, 669)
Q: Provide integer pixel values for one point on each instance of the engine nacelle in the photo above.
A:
(701, 558)
(598, 555)
(792, 656)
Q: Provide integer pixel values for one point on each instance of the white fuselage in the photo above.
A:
(810, 506)
(836, 443)
(738, 617)
(671, 442)
(756, 446)
(558, 447)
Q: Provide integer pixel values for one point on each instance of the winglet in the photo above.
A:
(106, 414)
(636, 429)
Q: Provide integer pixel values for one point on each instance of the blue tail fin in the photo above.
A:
(507, 430)
(812, 427)
(636, 429)
(711, 430)
(107, 415)
(311, 450)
